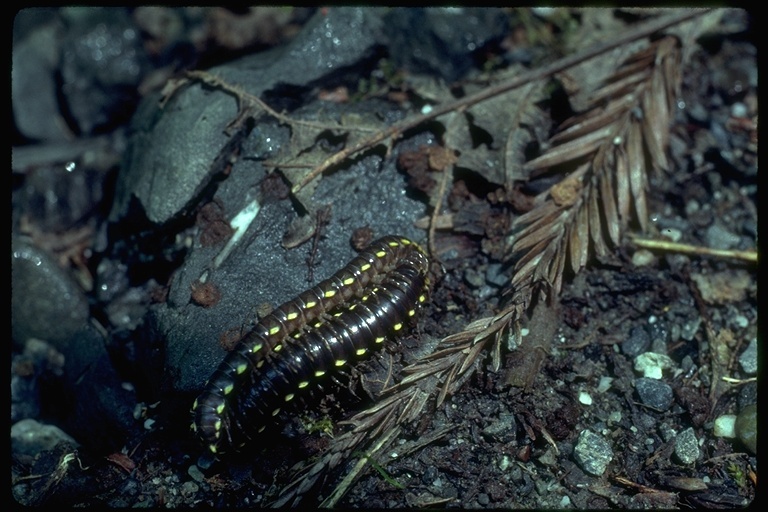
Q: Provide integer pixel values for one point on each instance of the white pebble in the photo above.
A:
(725, 426)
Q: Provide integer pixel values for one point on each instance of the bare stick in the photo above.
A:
(663, 245)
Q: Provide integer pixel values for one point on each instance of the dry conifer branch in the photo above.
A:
(610, 149)
(393, 132)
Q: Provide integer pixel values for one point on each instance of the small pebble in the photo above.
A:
(741, 321)
(643, 258)
(654, 393)
(604, 384)
(495, 275)
(687, 446)
(592, 453)
(718, 236)
(652, 364)
(637, 342)
(474, 278)
(673, 234)
(725, 426)
(195, 473)
(690, 328)
(748, 358)
(692, 206)
(739, 109)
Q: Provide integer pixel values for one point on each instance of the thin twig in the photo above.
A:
(663, 245)
(396, 130)
(447, 175)
(251, 100)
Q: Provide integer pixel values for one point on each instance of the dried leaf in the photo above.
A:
(595, 228)
(591, 121)
(571, 150)
(622, 184)
(624, 85)
(485, 162)
(652, 120)
(525, 121)
(532, 235)
(555, 276)
(608, 202)
(542, 209)
(527, 264)
(456, 134)
(430, 89)
(582, 232)
(637, 172)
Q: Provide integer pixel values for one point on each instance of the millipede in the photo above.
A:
(333, 323)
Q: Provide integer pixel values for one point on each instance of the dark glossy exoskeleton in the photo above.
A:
(334, 323)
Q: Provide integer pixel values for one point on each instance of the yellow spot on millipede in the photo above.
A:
(411, 312)
(228, 389)
(241, 368)
(310, 304)
(397, 327)
(212, 448)
(348, 281)
(365, 266)
(220, 408)
(393, 244)
(360, 351)
(329, 293)
(319, 373)
(217, 427)
(379, 340)
(259, 364)
(256, 348)
(292, 315)
(381, 254)
(289, 397)
(340, 362)
(303, 384)
(276, 412)
(274, 330)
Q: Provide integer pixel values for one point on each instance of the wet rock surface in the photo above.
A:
(178, 150)
(48, 303)
(71, 367)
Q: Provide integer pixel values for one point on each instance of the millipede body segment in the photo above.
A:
(328, 326)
